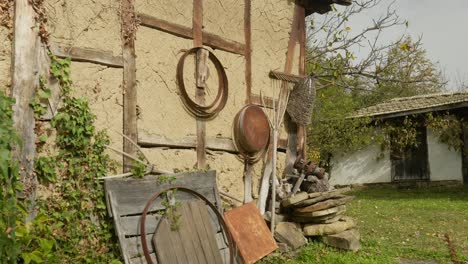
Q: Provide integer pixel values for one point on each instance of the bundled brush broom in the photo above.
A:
(301, 101)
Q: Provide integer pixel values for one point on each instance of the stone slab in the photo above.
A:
(295, 199)
(278, 217)
(290, 234)
(347, 240)
(328, 211)
(343, 224)
(324, 205)
(318, 220)
(338, 193)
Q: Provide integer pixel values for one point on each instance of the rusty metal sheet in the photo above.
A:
(250, 232)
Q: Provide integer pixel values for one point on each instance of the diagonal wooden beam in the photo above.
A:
(105, 58)
(209, 39)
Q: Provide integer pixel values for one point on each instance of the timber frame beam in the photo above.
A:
(211, 40)
(129, 81)
(105, 58)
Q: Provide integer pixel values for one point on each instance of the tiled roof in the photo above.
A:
(415, 105)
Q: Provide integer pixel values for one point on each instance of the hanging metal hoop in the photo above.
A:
(199, 196)
(200, 111)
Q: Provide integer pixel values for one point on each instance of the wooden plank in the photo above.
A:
(188, 221)
(290, 153)
(215, 144)
(129, 82)
(24, 80)
(248, 49)
(133, 247)
(211, 40)
(248, 171)
(205, 232)
(221, 144)
(197, 23)
(193, 242)
(301, 129)
(197, 26)
(133, 202)
(134, 193)
(210, 230)
(202, 67)
(142, 260)
(131, 224)
(118, 228)
(105, 58)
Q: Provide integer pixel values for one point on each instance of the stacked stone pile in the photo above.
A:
(312, 213)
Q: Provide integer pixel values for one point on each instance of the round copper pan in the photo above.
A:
(251, 129)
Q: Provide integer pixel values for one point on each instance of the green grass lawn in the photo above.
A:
(399, 224)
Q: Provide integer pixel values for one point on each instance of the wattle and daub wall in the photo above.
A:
(97, 25)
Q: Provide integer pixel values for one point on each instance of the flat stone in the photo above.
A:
(343, 224)
(290, 234)
(328, 211)
(278, 217)
(348, 240)
(283, 247)
(298, 197)
(338, 193)
(324, 204)
(318, 220)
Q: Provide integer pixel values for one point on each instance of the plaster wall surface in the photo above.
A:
(96, 25)
(161, 110)
(5, 60)
(85, 24)
(101, 85)
(444, 163)
(361, 167)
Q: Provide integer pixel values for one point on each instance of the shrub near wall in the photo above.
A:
(72, 225)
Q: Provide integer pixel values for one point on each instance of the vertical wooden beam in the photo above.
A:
(248, 49)
(197, 27)
(24, 80)
(129, 81)
(291, 150)
(301, 129)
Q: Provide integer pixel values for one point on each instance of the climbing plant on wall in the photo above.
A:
(72, 206)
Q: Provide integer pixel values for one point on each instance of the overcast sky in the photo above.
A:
(443, 25)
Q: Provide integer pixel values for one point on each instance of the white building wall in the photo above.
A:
(361, 167)
(444, 164)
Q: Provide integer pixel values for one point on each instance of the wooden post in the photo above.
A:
(129, 81)
(24, 80)
(301, 129)
(248, 50)
(197, 27)
(292, 130)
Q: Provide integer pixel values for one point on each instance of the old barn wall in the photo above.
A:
(96, 25)
(161, 111)
(361, 167)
